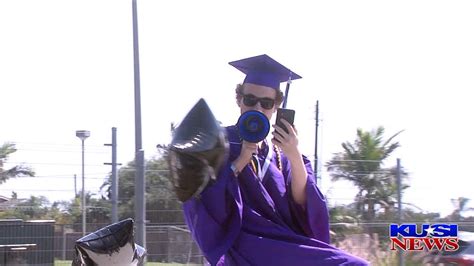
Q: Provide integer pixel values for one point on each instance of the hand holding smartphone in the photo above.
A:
(287, 114)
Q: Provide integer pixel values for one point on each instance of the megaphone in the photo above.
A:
(253, 126)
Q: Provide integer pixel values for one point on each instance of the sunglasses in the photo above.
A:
(251, 100)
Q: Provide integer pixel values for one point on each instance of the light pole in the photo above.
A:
(83, 135)
(140, 208)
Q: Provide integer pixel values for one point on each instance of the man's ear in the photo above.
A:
(238, 100)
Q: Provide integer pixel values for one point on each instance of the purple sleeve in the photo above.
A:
(314, 217)
(215, 216)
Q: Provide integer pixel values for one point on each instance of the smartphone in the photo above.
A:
(287, 114)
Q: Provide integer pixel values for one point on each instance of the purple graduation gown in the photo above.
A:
(245, 221)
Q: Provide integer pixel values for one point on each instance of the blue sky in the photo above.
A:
(405, 65)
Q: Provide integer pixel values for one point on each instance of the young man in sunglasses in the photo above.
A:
(265, 207)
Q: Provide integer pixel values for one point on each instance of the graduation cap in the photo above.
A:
(264, 70)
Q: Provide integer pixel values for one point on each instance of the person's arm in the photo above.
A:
(214, 217)
(299, 178)
(245, 156)
(288, 143)
(306, 201)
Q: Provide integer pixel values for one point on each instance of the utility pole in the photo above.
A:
(139, 153)
(114, 185)
(401, 259)
(75, 186)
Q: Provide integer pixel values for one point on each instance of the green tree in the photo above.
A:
(39, 208)
(97, 212)
(16, 171)
(361, 163)
(460, 207)
(36, 207)
(162, 206)
(59, 212)
(344, 221)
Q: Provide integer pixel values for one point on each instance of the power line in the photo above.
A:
(52, 144)
(91, 176)
(46, 163)
(71, 151)
(372, 161)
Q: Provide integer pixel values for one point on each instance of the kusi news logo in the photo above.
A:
(442, 237)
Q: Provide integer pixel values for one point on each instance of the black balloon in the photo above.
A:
(111, 245)
(197, 151)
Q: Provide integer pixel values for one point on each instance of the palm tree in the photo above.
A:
(361, 163)
(460, 205)
(16, 171)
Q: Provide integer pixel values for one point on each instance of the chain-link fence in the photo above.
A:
(48, 243)
(168, 241)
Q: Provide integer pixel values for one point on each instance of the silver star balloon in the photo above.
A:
(111, 245)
